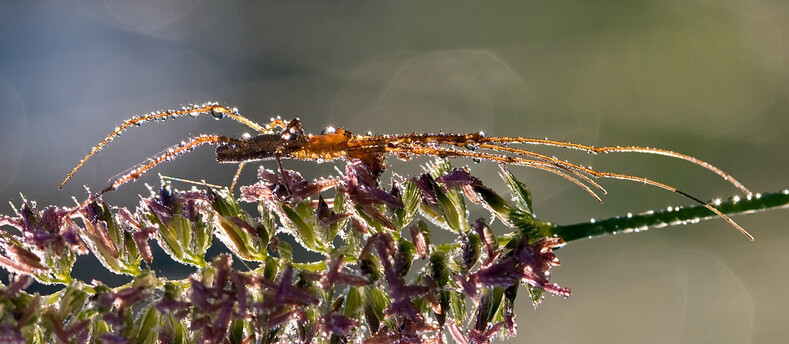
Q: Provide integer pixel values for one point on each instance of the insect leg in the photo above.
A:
(595, 173)
(613, 149)
(169, 154)
(541, 165)
(476, 139)
(235, 177)
(216, 110)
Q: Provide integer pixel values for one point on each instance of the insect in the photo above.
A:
(291, 142)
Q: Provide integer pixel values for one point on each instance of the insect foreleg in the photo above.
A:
(169, 154)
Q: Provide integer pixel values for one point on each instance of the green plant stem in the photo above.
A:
(669, 217)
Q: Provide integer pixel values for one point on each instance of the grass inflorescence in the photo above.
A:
(383, 278)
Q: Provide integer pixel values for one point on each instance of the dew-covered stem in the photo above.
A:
(670, 216)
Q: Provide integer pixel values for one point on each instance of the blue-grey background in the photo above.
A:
(708, 78)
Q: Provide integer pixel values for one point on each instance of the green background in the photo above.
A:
(707, 78)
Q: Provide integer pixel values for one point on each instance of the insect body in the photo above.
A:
(292, 143)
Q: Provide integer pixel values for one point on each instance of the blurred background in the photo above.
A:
(707, 78)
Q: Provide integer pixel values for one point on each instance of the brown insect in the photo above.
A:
(292, 143)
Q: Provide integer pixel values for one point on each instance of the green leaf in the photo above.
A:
(377, 300)
(411, 200)
(457, 302)
(146, 327)
(301, 230)
(494, 203)
(237, 331)
(407, 250)
(438, 268)
(285, 252)
(528, 224)
(520, 193)
(354, 303)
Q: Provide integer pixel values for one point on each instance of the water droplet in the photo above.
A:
(217, 114)
(476, 160)
(246, 136)
(328, 130)
(481, 133)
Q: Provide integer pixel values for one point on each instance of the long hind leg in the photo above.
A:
(609, 149)
(500, 143)
(443, 152)
(541, 165)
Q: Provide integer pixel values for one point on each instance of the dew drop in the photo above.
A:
(246, 136)
(217, 114)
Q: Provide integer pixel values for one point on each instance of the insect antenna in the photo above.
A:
(216, 110)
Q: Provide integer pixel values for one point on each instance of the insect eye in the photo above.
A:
(328, 130)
